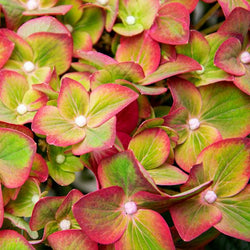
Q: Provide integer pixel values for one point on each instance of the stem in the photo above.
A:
(207, 16)
(211, 29)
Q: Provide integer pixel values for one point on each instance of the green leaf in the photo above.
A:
(146, 230)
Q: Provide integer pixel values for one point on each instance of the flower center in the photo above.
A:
(210, 197)
(60, 159)
(69, 27)
(35, 198)
(130, 20)
(65, 224)
(194, 123)
(21, 109)
(28, 67)
(130, 207)
(200, 71)
(245, 57)
(102, 2)
(80, 121)
(32, 5)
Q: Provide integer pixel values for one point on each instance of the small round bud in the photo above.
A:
(130, 207)
(80, 121)
(28, 67)
(194, 123)
(69, 27)
(200, 71)
(35, 198)
(60, 159)
(102, 2)
(130, 20)
(210, 197)
(65, 224)
(245, 57)
(21, 109)
(32, 5)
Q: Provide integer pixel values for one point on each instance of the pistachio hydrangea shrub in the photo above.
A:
(124, 124)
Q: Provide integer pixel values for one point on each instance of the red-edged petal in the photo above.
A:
(124, 170)
(193, 217)
(106, 101)
(11, 238)
(182, 64)
(59, 132)
(70, 240)
(171, 25)
(17, 152)
(6, 48)
(101, 216)
(73, 99)
(39, 168)
(99, 138)
(42, 24)
(44, 212)
(146, 229)
(227, 57)
(52, 50)
(141, 49)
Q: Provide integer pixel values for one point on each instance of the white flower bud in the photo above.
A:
(29, 67)
(102, 2)
(130, 20)
(194, 123)
(130, 207)
(65, 224)
(245, 57)
(35, 198)
(80, 121)
(210, 197)
(60, 159)
(21, 109)
(32, 5)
